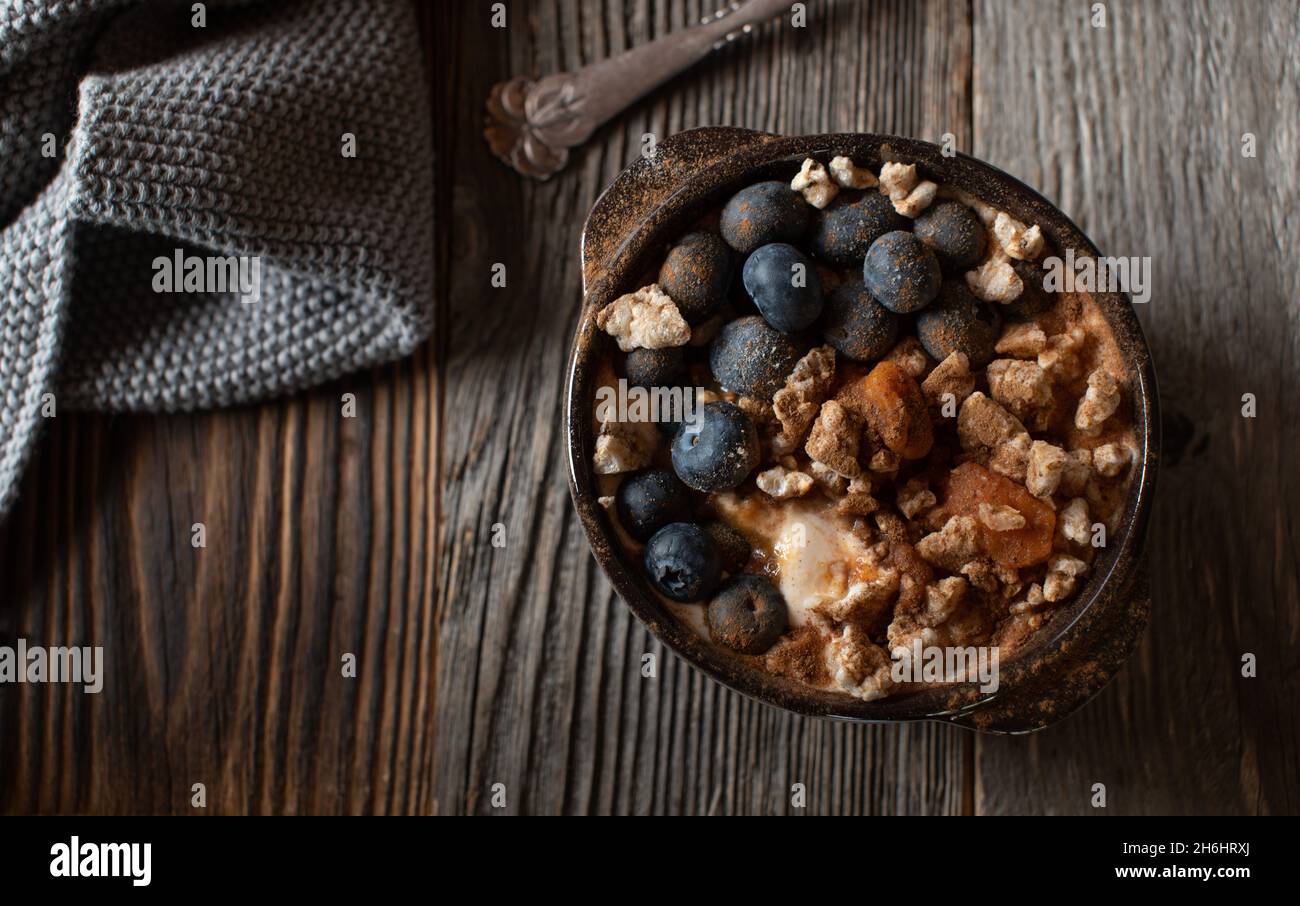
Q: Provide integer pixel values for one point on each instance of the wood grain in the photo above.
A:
(224, 664)
(479, 665)
(1136, 130)
(539, 666)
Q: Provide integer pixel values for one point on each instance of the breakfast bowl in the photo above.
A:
(1075, 649)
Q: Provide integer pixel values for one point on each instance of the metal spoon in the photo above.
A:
(532, 125)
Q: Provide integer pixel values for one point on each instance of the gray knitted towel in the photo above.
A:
(225, 140)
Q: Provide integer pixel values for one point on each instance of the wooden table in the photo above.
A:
(479, 665)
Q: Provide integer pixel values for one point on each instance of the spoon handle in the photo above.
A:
(531, 125)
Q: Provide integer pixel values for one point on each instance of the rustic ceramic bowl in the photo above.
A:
(627, 232)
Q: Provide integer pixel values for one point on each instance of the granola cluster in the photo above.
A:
(994, 512)
(645, 319)
(909, 193)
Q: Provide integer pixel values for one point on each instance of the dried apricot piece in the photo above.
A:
(891, 402)
(970, 484)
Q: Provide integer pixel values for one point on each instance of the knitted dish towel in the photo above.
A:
(128, 134)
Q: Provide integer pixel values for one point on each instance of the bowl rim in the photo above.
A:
(640, 205)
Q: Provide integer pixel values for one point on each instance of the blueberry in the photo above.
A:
(959, 322)
(763, 213)
(718, 451)
(901, 272)
(732, 545)
(683, 562)
(747, 615)
(955, 232)
(856, 324)
(647, 501)
(1034, 299)
(784, 286)
(845, 230)
(696, 275)
(750, 358)
(655, 367)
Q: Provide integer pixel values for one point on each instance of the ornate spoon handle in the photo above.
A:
(532, 125)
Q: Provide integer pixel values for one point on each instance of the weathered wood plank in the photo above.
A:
(1136, 130)
(223, 664)
(539, 686)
